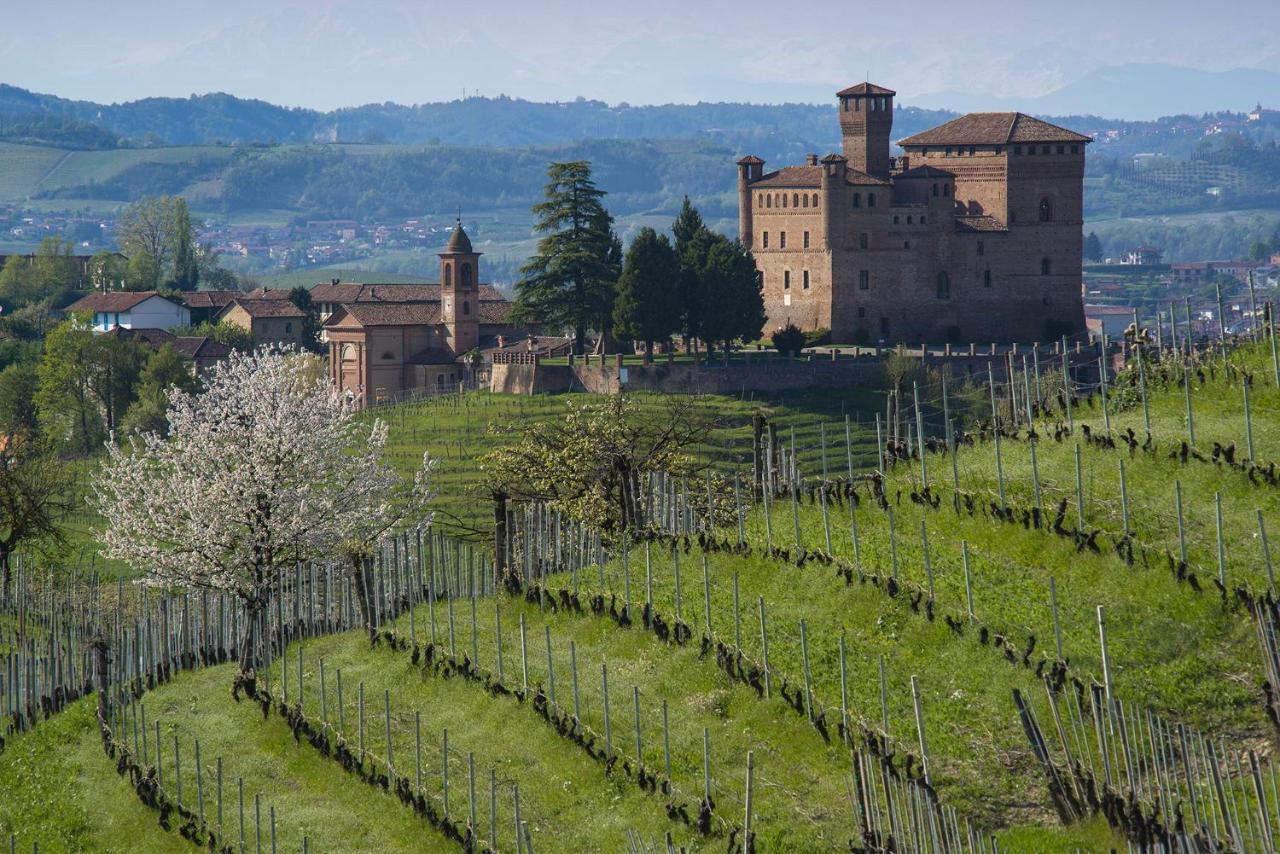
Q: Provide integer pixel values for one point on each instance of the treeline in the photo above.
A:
(55, 132)
(1209, 238)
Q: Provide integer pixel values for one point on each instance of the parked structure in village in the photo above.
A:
(268, 321)
(973, 234)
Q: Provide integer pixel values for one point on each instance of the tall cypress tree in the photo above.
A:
(729, 281)
(571, 279)
(648, 304)
(185, 271)
(690, 233)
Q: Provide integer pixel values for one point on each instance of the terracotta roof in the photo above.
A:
(209, 299)
(112, 301)
(993, 129)
(201, 347)
(350, 292)
(150, 337)
(835, 158)
(791, 176)
(458, 241)
(750, 160)
(389, 314)
(979, 223)
(268, 293)
(865, 89)
(266, 307)
(494, 313)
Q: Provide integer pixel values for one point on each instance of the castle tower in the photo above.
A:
(866, 120)
(750, 168)
(460, 292)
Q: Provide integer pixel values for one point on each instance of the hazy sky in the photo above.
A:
(331, 53)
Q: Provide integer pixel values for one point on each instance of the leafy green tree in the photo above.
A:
(143, 273)
(48, 276)
(571, 279)
(35, 490)
(688, 228)
(730, 281)
(788, 340)
(235, 337)
(165, 369)
(647, 307)
(186, 273)
(107, 269)
(1092, 247)
(1259, 250)
(310, 333)
(85, 384)
(17, 399)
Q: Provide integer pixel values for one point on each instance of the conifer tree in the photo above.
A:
(185, 271)
(571, 279)
(647, 307)
(688, 228)
(728, 280)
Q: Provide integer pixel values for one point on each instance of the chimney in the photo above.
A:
(502, 341)
(811, 159)
(334, 281)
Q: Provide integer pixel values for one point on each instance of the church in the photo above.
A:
(972, 234)
(385, 340)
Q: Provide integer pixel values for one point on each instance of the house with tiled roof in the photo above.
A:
(388, 340)
(268, 321)
(130, 310)
(972, 234)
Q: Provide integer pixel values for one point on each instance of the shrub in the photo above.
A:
(788, 339)
(817, 337)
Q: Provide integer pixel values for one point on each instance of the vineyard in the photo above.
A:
(1033, 611)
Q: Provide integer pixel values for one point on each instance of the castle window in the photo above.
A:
(924, 152)
(862, 311)
(986, 278)
(1017, 149)
(806, 280)
(857, 200)
(1046, 210)
(857, 105)
(895, 219)
(815, 200)
(761, 202)
(465, 278)
(1062, 149)
(768, 200)
(786, 280)
(999, 149)
(982, 248)
(1044, 149)
(466, 307)
(944, 285)
(935, 188)
(922, 219)
(765, 240)
(864, 280)
(911, 220)
(288, 328)
(972, 150)
(946, 190)
(906, 244)
(1044, 266)
(448, 275)
(806, 240)
(782, 240)
(804, 203)
(795, 200)
(784, 200)
(884, 326)
(863, 240)
(348, 352)
(948, 151)
(1075, 149)
(871, 200)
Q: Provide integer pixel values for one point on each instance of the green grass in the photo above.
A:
(23, 167)
(85, 167)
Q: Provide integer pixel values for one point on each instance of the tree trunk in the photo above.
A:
(246, 679)
(757, 454)
(6, 576)
(579, 340)
(500, 544)
(360, 574)
(100, 677)
(648, 352)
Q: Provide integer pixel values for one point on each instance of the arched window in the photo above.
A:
(946, 189)
(815, 200)
(944, 285)
(1046, 211)
(448, 275)
(348, 352)
(1044, 266)
(804, 203)
(935, 188)
(768, 200)
(465, 278)
(795, 200)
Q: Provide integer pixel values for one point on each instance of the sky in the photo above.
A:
(326, 54)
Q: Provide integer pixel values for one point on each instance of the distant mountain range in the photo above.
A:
(1136, 92)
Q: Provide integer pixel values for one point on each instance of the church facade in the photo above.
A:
(973, 234)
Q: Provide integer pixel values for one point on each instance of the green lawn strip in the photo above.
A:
(566, 798)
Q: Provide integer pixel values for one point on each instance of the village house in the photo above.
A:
(204, 352)
(205, 306)
(130, 310)
(268, 321)
(388, 339)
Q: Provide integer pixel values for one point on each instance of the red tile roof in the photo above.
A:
(993, 129)
(349, 292)
(112, 301)
(210, 299)
(266, 307)
(201, 347)
(389, 314)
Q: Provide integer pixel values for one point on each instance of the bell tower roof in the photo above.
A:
(459, 243)
(864, 89)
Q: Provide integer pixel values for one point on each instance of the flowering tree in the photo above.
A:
(266, 467)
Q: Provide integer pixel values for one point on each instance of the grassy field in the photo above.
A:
(1181, 654)
(23, 167)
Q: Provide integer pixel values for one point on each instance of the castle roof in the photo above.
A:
(993, 129)
(979, 223)
(926, 172)
(750, 160)
(865, 89)
(805, 177)
(459, 243)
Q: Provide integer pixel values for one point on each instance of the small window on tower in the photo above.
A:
(804, 202)
(806, 280)
(981, 247)
(786, 280)
(466, 307)
(795, 200)
(863, 240)
(1017, 149)
(784, 200)
(948, 151)
(935, 188)
(871, 200)
(1075, 149)
(973, 150)
(911, 220)
(764, 240)
(857, 200)
(768, 200)
(448, 275)
(864, 280)
(986, 278)
(946, 190)
(1044, 266)
(1046, 210)
(1062, 149)
(862, 311)
(922, 219)
(815, 200)
(895, 219)
(782, 240)
(465, 278)
(806, 240)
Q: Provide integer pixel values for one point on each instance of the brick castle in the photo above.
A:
(973, 234)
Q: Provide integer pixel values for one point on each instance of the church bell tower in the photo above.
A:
(460, 292)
